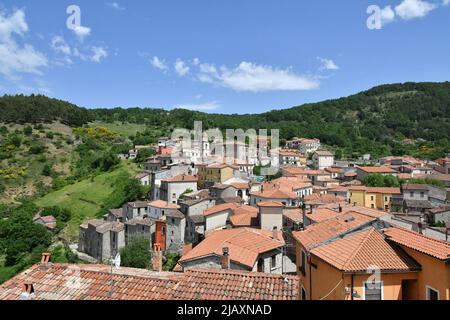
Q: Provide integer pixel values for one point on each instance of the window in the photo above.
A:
(371, 198)
(422, 194)
(373, 290)
(411, 194)
(303, 262)
(432, 294)
(273, 262)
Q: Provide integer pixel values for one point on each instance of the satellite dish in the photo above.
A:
(117, 260)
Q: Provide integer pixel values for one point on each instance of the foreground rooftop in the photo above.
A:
(93, 282)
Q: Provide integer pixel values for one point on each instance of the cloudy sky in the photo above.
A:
(224, 56)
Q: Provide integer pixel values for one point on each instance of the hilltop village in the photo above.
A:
(319, 228)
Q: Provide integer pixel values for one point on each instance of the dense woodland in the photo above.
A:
(409, 118)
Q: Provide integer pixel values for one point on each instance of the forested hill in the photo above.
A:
(38, 108)
(376, 121)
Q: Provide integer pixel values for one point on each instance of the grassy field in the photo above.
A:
(85, 198)
(126, 129)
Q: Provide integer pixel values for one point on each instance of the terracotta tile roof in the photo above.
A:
(245, 245)
(219, 208)
(92, 282)
(270, 204)
(245, 216)
(240, 185)
(236, 285)
(182, 178)
(316, 198)
(384, 190)
(322, 214)
(328, 229)
(161, 204)
(363, 250)
(282, 188)
(334, 170)
(377, 169)
(350, 174)
(338, 189)
(48, 219)
(294, 214)
(413, 240)
(289, 153)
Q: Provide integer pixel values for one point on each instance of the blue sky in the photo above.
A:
(228, 56)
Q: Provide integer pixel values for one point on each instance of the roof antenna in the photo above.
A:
(116, 262)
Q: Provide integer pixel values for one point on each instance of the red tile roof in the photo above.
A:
(377, 169)
(384, 190)
(219, 208)
(245, 216)
(325, 230)
(244, 244)
(270, 204)
(92, 282)
(413, 240)
(163, 205)
(322, 214)
(364, 250)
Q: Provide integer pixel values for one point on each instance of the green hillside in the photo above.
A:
(87, 198)
(377, 121)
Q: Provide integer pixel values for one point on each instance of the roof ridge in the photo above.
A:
(363, 242)
(419, 234)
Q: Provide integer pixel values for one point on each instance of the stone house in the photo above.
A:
(144, 178)
(101, 239)
(173, 187)
(196, 207)
(195, 229)
(175, 231)
(322, 159)
(159, 208)
(140, 227)
(135, 209)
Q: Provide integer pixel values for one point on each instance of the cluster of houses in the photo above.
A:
(314, 224)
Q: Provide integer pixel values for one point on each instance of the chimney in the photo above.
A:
(340, 208)
(354, 204)
(27, 291)
(303, 215)
(45, 259)
(225, 259)
(275, 233)
(157, 258)
(420, 226)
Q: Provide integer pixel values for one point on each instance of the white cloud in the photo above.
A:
(115, 5)
(60, 45)
(158, 63)
(87, 53)
(387, 15)
(208, 106)
(81, 32)
(445, 2)
(181, 68)
(248, 76)
(328, 64)
(196, 61)
(16, 58)
(411, 9)
(99, 53)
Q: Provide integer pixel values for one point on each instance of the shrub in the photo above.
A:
(136, 254)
